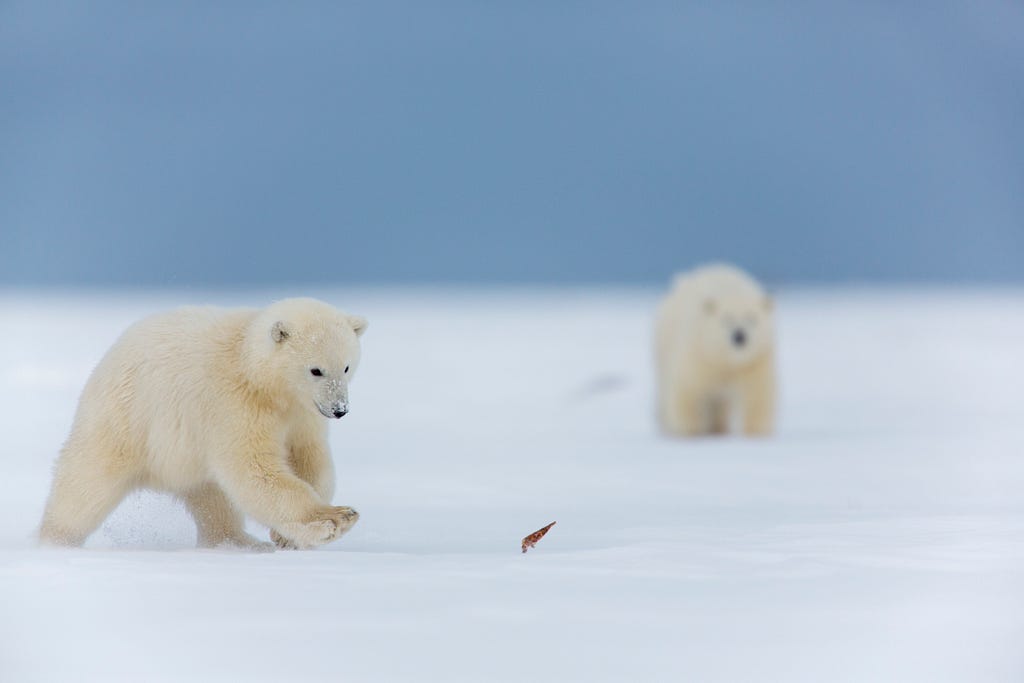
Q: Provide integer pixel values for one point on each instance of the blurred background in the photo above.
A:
(236, 144)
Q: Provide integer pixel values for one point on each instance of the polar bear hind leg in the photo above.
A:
(87, 486)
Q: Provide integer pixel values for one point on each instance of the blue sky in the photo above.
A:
(461, 142)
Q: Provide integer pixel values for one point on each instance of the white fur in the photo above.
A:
(219, 407)
(706, 381)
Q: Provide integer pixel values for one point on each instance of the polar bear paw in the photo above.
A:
(327, 524)
(248, 543)
(282, 542)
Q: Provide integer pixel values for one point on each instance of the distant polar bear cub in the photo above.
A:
(715, 354)
(222, 407)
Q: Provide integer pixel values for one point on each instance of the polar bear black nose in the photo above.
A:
(739, 337)
(340, 413)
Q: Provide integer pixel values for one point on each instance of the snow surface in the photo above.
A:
(879, 536)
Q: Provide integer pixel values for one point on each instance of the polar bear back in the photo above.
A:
(719, 282)
(160, 387)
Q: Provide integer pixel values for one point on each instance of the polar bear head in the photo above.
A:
(307, 351)
(737, 326)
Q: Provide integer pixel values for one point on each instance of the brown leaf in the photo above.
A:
(531, 540)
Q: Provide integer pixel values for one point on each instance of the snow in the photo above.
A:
(879, 535)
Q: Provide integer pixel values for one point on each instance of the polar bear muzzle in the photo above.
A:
(739, 337)
(332, 398)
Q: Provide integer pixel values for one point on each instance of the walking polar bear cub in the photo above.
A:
(715, 354)
(222, 407)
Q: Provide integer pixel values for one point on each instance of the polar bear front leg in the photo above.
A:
(758, 398)
(310, 460)
(719, 414)
(264, 487)
(685, 412)
(218, 522)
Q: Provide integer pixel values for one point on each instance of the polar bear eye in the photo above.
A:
(346, 369)
(316, 372)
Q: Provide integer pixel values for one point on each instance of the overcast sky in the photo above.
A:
(548, 142)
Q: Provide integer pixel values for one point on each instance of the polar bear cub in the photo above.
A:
(715, 354)
(222, 407)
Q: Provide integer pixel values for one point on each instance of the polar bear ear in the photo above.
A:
(358, 324)
(278, 332)
(710, 306)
